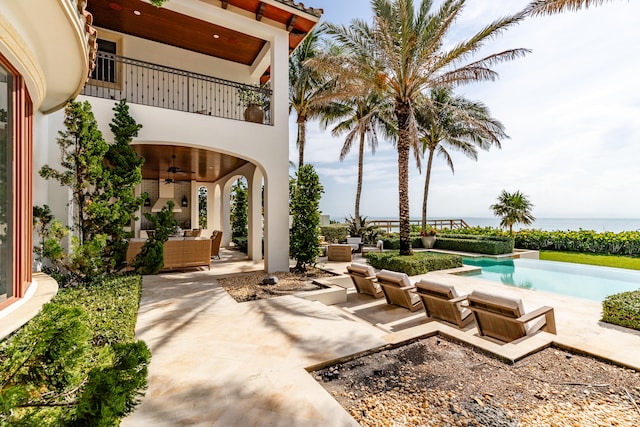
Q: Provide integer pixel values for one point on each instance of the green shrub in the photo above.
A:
(334, 233)
(622, 309)
(492, 245)
(75, 363)
(242, 243)
(583, 241)
(418, 263)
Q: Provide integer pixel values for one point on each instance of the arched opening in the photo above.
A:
(203, 193)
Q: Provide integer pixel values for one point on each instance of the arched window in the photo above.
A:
(202, 207)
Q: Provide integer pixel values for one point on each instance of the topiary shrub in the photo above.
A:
(413, 265)
(622, 309)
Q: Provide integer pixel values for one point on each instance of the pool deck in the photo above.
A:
(221, 363)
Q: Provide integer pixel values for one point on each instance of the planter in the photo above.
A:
(428, 242)
(254, 114)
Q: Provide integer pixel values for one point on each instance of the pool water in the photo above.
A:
(576, 280)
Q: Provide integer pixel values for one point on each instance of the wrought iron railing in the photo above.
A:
(139, 82)
(393, 225)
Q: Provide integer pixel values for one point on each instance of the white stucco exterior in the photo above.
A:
(264, 146)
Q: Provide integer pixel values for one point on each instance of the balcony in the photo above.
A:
(116, 77)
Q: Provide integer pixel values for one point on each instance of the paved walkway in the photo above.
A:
(219, 363)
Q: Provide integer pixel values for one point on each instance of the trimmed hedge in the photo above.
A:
(412, 265)
(491, 245)
(334, 233)
(392, 241)
(622, 309)
(625, 243)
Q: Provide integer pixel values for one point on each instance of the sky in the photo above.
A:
(571, 109)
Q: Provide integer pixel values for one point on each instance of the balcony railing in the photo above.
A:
(116, 77)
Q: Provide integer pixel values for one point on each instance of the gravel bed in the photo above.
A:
(248, 286)
(436, 382)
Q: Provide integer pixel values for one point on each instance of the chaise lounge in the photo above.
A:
(504, 319)
(364, 279)
(396, 287)
(442, 302)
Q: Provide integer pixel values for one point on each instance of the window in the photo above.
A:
(16, 154)
(105, 70)
(6, 288)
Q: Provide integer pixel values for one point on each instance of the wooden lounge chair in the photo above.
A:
(216, 238)
(504, 319)
(443, 303)
(364, 279)
(396, 287)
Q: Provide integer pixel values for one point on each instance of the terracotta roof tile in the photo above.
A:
(300, 6)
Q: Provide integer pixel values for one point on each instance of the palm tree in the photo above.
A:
(513, 208)
(362, 117)
(307, 87)
(407, 54)
(449, 122)
(548, 7)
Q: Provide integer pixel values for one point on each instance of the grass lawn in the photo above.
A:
(603, 260)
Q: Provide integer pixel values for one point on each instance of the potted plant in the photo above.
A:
(428, 237)
(254, 98)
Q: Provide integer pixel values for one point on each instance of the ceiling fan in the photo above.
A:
(173, 170)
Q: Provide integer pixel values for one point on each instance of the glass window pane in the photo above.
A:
(6, 288)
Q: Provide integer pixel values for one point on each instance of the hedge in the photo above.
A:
(412, 265)
(491, 245)
(622, 309)
(583, 241)
(586, 241)
(392, 241)
(334, 233)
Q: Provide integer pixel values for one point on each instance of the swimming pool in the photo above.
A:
(577, 280)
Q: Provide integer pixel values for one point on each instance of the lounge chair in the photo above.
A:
(364, 279)
(396, 288)
(442, 302)
(216, 238)
(504, 319)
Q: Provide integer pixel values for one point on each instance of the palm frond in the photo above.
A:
(549, 7)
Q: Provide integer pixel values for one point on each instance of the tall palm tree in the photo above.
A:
(363, 118)
(513, 208)
(449, 122)
(548, 7)
(407, 54)
(307, 87)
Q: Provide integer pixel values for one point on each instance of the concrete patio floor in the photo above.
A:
(221, 363)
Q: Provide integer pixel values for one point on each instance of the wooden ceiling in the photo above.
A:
(192, 163)
(141, 19)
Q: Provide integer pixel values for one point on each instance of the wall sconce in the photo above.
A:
(184, 202)
(147, 202)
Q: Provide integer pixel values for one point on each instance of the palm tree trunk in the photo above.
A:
(302, 136)
(402, 113)
(426, 190)
(359, 189)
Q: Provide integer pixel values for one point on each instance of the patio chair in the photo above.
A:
(216, 238)
(442, 302)
(396, 287)
(504, 319)
(364, 279)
